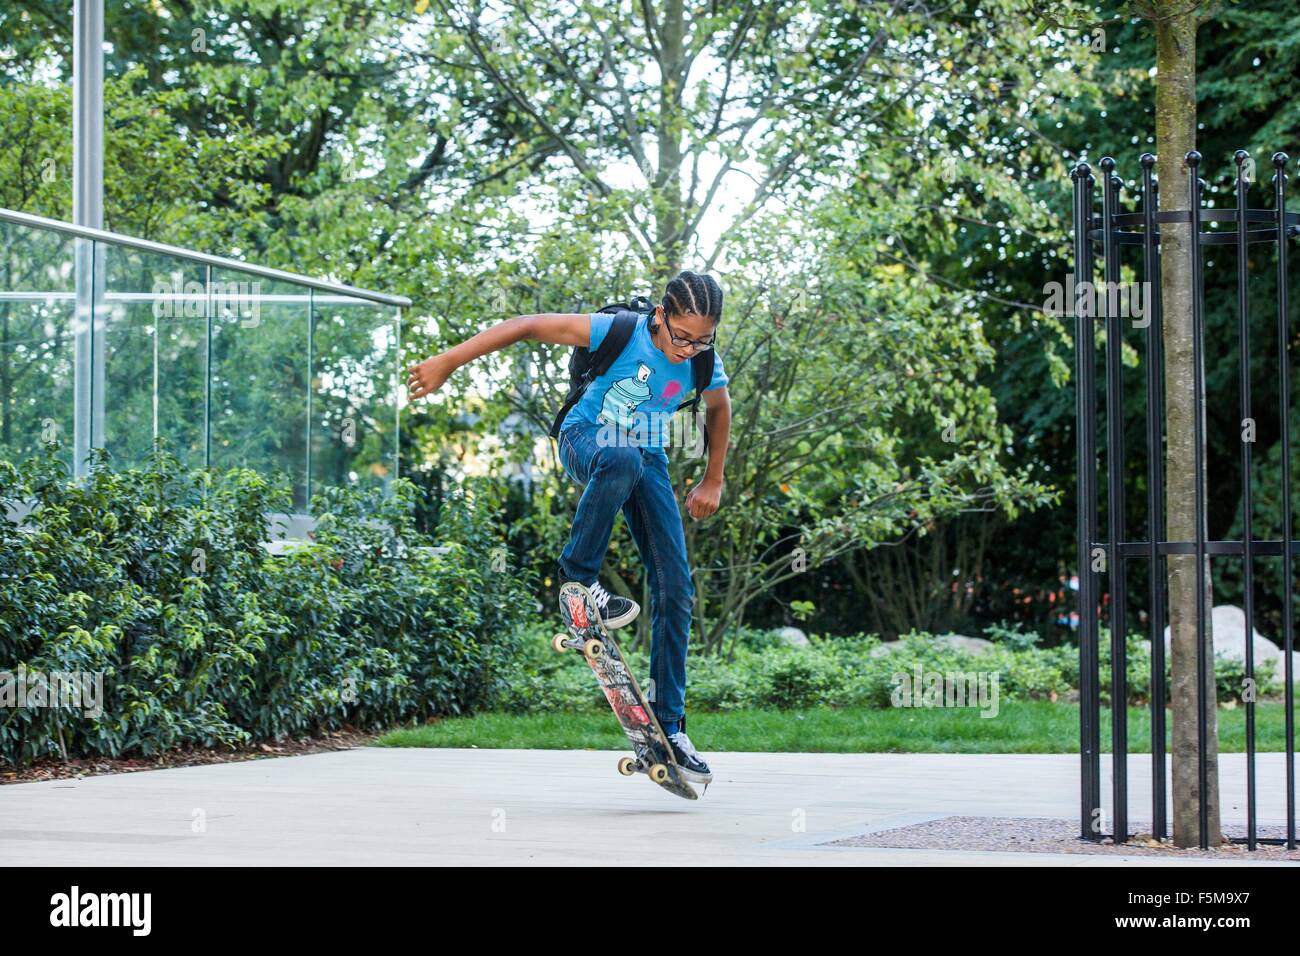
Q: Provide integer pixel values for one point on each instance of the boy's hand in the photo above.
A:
(704, 498)
(427, 377)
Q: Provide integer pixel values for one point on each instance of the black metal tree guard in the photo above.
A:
(1108, 232)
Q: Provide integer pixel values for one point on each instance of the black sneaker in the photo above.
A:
(615, 610)
(692, 765)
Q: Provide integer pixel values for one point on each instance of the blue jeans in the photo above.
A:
(636, 482)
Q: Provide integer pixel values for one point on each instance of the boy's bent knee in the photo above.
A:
(619, 463)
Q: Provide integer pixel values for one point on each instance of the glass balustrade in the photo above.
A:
(233, 364)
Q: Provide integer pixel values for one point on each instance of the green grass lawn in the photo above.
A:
(1019, 727)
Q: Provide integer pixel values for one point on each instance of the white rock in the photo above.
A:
(1229, 635)
(954, 642)
(970, 645)
(792, 636)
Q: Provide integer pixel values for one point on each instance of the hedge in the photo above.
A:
(156, 579)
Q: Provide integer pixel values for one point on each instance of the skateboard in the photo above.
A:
(587, 633)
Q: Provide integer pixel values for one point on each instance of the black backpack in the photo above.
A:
(585, 365)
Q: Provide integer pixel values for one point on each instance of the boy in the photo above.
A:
(612, 441)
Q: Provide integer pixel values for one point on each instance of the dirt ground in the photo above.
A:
(54, 769)
(1037, 835)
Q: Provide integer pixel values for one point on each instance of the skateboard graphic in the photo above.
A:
(587, 633)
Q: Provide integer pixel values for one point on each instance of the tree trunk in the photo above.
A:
(667, 185)
(1176, 135)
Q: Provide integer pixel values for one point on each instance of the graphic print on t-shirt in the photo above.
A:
(622, 398)
(667, 402)
(639, 394)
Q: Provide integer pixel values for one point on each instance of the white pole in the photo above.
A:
(88, 210)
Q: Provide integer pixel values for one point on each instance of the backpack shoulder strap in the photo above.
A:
(701, 376)
(612, 345)
(702, 368)
(610, 348)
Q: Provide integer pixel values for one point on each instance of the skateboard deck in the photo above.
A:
(587, 634)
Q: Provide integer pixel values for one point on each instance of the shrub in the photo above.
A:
(1013, 635)
(838, 672)
(157, 579)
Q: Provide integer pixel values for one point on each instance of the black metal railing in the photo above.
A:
(1107, 233)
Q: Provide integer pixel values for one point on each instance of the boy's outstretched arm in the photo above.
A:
(557, 328)
(704, 499)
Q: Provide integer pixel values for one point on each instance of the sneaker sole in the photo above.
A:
(623, 619)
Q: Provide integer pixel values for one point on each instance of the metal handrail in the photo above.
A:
(146, 245)
(270, 298)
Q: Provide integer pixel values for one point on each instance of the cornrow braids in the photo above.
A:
(693, 292)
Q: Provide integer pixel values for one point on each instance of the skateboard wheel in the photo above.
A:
(557, 642)
(593, 648)
(658, 773)
(627, 766)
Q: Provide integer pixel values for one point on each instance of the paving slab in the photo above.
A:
(396, 807)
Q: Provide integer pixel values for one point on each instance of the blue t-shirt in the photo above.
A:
(636, 398)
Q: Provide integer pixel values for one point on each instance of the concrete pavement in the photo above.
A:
(393, 807)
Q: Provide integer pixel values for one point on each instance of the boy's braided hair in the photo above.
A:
(693, 292)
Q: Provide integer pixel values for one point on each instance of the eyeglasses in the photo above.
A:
(681, 343)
